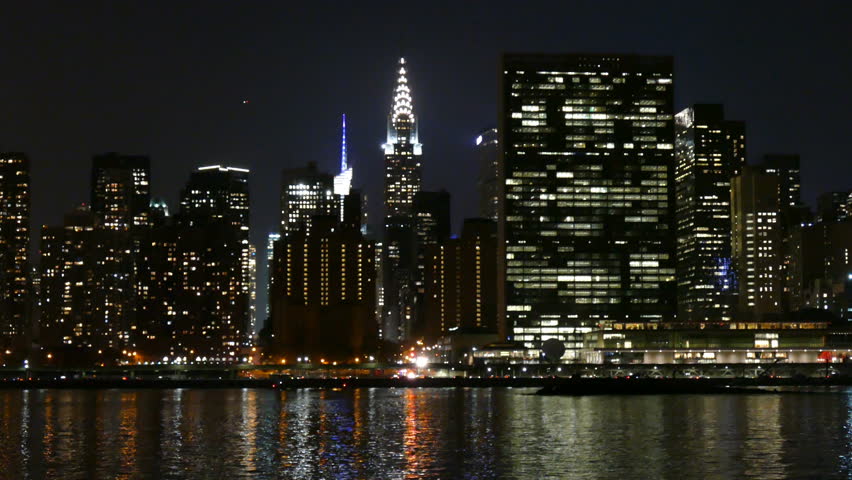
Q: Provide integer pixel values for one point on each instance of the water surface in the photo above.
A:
(419, 433)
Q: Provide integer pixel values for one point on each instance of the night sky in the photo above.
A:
(168, 79)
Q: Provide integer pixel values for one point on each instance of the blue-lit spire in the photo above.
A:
(343, 180)
(343, 164)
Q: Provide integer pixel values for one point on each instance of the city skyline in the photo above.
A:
(160, 119)
(375, 240)
(616, 147)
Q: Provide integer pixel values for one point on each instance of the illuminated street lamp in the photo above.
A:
(421, 362)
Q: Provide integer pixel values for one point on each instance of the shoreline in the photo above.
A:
(546, 385)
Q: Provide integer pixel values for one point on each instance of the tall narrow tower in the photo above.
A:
(402, 151)
(343, 180)
(709, 151)
(15, 243)
(402, 183)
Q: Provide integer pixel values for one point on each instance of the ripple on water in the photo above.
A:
(419, 433)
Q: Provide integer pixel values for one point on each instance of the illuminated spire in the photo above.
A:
(343, 180)
(402, 109)
(343, 164)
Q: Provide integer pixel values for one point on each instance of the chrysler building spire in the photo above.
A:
(402, 149)
(402, 109)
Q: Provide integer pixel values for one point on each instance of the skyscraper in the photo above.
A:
(402, 182)
(305, 193)
(86, 294)
(215, 260)
(586, 231)
(157, 288)
(821, 267)
(399, 270)
(460, 281)
(792, 213)
(121, 193)
(270, 264)
(322, 292)
(120, 203)
(756, 241)
(709, 151)
(402, 151)
(834, 207)
(431, 227)
(15, 296)
(431, 224)
(69, 271)
(787, 168)
(488, 178)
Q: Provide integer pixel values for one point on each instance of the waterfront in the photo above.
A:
(420, 433)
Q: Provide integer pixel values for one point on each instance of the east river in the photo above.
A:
(451, 433)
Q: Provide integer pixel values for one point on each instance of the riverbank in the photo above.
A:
(547, 385)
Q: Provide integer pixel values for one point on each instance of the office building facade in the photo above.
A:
(488, 176)
(756, 245)
(586, 234)
(305, 193)
(709, 151)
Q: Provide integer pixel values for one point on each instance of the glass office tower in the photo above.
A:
(587, 199)
(709, 151)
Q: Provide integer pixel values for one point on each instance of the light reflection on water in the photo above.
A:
(419, 433)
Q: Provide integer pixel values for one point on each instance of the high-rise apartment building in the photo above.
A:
(586, 232)
(709, 151)
(488, 177)
(323, 294)
(121, 205)
(306, 192)
(214, 255)
(756, 245)
(121, 192)
(460, 281)
(87, 298)
(157, 288)
(69, 282)
(15, 298)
